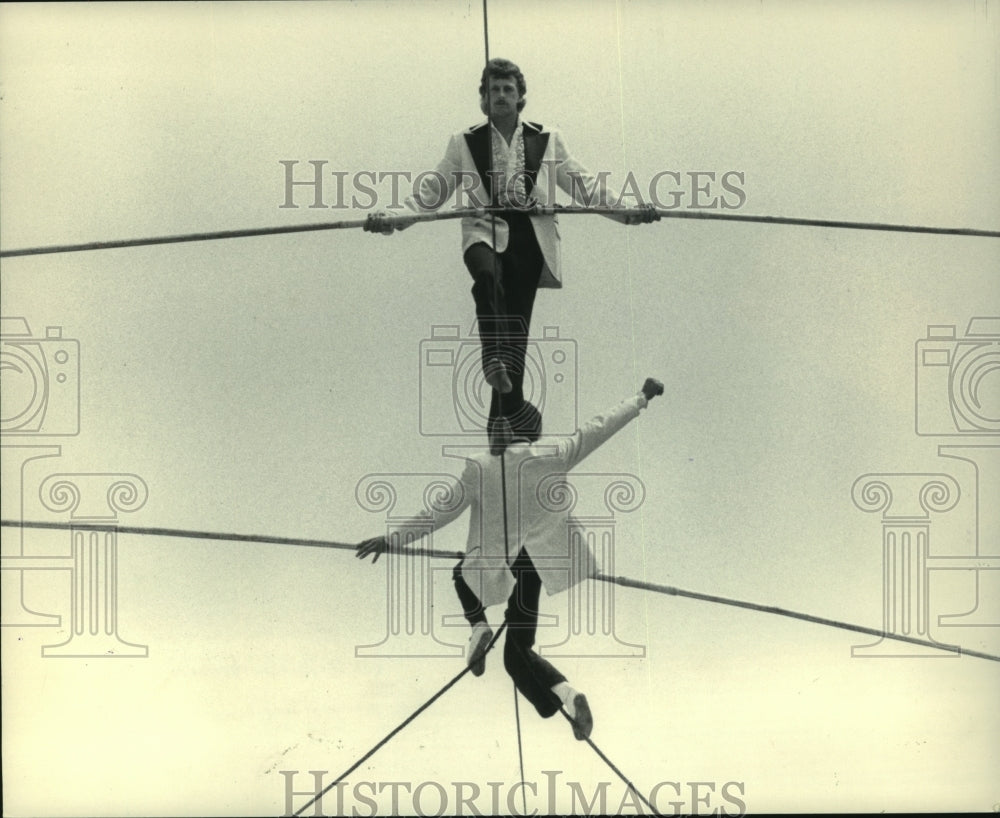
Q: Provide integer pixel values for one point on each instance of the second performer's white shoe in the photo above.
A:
(478, 643)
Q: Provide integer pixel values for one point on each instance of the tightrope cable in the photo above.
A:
(613, 766)
(409, 719)
(520, 753)
(189, 534)
(537, 210)
(626, 582)
(212, 235)
(773, 609)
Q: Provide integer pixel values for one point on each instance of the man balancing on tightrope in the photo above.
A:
(527, 161)
(519, 542)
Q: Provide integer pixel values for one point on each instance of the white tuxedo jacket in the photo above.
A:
(537, 519)
(463, 172)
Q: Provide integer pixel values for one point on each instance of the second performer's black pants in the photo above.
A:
(504, 287)
(533, 676)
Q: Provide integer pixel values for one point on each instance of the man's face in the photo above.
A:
(503, 97)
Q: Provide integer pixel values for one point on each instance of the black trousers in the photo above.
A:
(533, 676)
(504, 286)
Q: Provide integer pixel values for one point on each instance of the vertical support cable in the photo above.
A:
(520, 753)
(497, 272)
(491, 178)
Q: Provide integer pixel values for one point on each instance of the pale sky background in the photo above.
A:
(252, 384)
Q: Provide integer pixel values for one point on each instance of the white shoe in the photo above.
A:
(576, 707)
(482, 634)
(583, 720)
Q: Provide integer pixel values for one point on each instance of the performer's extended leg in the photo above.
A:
(504, 289)
(472, 608)
(486, 269)
(533, 675)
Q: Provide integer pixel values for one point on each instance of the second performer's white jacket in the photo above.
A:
(535, 476)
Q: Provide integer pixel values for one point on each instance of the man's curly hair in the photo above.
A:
(499, 68)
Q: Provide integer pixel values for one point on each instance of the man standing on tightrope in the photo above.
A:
(513, 170)
(519, 540)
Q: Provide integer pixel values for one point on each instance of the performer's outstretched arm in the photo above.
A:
(602, 427)
(439, 518)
